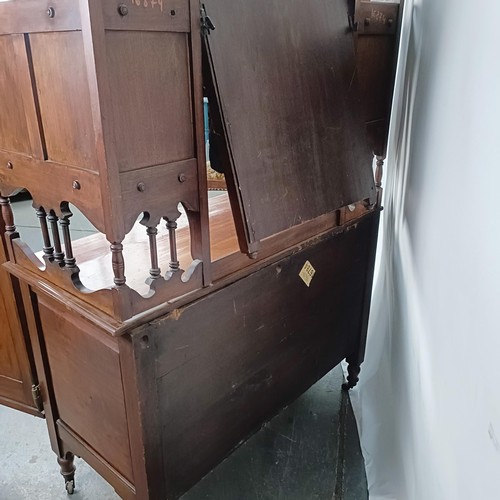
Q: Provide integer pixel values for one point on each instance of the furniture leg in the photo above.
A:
(353, 370)
(68, 471)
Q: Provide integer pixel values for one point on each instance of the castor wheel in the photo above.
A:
(68, 471)
(70, 487)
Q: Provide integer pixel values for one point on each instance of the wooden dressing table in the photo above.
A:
(159, 344)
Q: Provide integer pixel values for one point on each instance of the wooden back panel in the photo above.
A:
(289, 99)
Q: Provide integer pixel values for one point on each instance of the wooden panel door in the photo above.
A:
(16, 374)
(290, 108)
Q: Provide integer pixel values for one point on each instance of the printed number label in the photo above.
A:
(307, 273)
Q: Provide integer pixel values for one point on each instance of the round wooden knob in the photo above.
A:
(122, 10)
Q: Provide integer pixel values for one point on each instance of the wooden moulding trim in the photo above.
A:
(195, 43)
(71, 302)
(32, 16)
(76, 445)
(141, 15)
(176, 285)
(156, 312)
(20, 406)
(293, 236)
(64, 278)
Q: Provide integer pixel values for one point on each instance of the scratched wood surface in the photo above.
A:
(310, 450)
(288, 92)
(219, 376)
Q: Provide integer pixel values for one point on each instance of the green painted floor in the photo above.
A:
(310, 450)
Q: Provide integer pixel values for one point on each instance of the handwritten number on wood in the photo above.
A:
(148, 4)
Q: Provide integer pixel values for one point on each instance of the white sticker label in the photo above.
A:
(307, 273)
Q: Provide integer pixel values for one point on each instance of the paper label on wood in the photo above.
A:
(307, 273)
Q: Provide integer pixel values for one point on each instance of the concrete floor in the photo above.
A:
(308, 451)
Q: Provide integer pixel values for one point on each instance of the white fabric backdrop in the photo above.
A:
(428, 401)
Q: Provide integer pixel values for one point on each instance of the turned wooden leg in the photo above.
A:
(353, 370)
(68, 471)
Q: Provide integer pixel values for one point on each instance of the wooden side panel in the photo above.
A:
(150, 97)
(63, 92)
(17, 108)
(290, 103)
(375, 57)
(15, 369)
(228, 362)
(86, 376)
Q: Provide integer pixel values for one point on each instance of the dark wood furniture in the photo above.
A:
(163, 341)
(18, 385)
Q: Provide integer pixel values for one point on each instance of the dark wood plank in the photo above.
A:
(375, 63)
(219, 376)
(136, 428)
(147, 400)
(287, 88)
(293, 457)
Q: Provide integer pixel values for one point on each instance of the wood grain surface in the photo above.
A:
(288, 93)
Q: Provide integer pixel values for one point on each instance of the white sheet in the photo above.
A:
(428, 401)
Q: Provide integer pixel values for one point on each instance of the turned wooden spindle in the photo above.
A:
(155, 271)
(7, 215)
(118, 264)
(69, 260)
(48, 249)
(58, 253)
(174, 262)
(379, 172)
